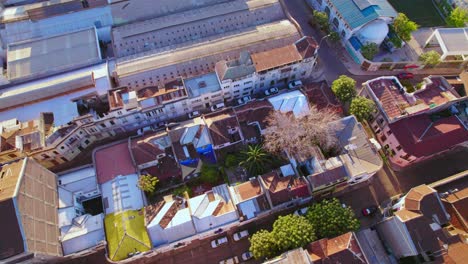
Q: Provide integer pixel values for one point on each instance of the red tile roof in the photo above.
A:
(419, 136)
(220, 123)
(340, 249)
(275, 58)
(392, 101)
(113, 161)
(283, 189)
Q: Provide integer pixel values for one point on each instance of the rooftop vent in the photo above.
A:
(202, 84)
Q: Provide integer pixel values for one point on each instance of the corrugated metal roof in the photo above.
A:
(371, 9)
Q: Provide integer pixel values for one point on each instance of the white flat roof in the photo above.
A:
(79, 180)
(88, 223)
(122, 193)
(62, 106)
(52, 54)
(293, 101)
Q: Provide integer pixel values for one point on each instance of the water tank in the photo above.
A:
(375, 32)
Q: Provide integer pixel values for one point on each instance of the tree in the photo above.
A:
(263, 244)
(231, 161)
(255, 159)
(404, 27)
(334, 36)
(344, 88)
(292, 231)
(299, 136)
(330, 219)
(147, 183)
(362, 108)
(458, 17)
(321, 18)
(209, 174)
(369, 50)
(430, 58)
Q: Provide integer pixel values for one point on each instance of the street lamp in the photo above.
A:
(320, 43)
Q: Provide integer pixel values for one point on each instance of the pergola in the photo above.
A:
(452, 41)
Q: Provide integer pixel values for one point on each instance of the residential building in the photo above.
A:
(298, 255)
(118, 179)
(172, 222)
(456, 204)
(357, 160)
(213, 209)
(417, 226)
(28, 205)
(341, 249)
(252, 119)
(52, 54)
(80, 210)
(282, 189)
(191, 146)
(152, 154)
(224, 128)
(295, 102)
(413, 127)
(249, 198)
(126, 234)
(357, 22)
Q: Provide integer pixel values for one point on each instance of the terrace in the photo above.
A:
(201, 85)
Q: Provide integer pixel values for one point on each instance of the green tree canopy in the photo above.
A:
(255, 159)
(362, 108)
(209, 174)
(263, 244)
(231, 160)
(458, 17)
(404, 27)
(330, 219)
(430, 58)
(147, 183)
(334, 36)
(292, 231)
(369, 50)
(344, 88)
(321, 18)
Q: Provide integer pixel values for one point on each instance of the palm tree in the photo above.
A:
(255, 159)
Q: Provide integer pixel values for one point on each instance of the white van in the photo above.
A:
(217, 107)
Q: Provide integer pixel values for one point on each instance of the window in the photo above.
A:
(383, 138)
(86, 142)
(389, 133)
(102, 125)
(398, 148)
(12, 155)
(112, 122)
(336, 23)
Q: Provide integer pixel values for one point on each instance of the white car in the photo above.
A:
(302, 211)
(247, 255)
(217, 242)
(194, 114)
(239, 235)
(217, 107)
(272, 90)
(233, 260)
(295, 84)
(244, 100)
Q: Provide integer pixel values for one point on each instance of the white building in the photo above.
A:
(172, 222)
(213, 209)
(78, 230)
(121, 194)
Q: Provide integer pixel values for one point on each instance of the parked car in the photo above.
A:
(194, 114)
(162, 124)
(217, 107)
(247, 255)
(405, 75)
(233, 260)
(217, 242)
(239, 235)
(295, 84)
(272, 90)
(301, 211)
(244, 100)
(368, 211)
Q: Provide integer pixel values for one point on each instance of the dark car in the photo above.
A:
(368, 211)
(405, 75)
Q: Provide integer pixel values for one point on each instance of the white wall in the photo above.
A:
(83, 242)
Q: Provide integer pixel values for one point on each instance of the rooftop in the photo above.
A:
(122, 193)
(83, 225)
(223, 127)
(340, 249)
(246, 191)
(10, 175)
(45, 56)
(146, 148)
(357, 13)
(294, 102)
(396, 102)
(201, 85)
(126, 233)
(283, 189)
(420, 136)
(328, 172)
(172, 214)
(453, 41)
(259, 35)
(112, 161)
(235, 69)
